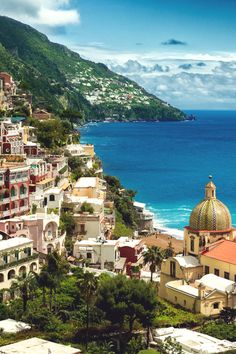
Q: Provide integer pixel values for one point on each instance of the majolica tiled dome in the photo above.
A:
(210, 214)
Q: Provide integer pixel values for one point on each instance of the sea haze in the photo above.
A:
(168, 163)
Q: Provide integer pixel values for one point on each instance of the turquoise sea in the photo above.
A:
(168, 163)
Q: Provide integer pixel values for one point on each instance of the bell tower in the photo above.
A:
(210, 190)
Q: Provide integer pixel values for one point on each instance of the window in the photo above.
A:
(184, 302)
(89, 255)
(176, 299)
(216, 305)
(52, 198)
(17, 255)
(192, 244)
(5, 258)
(235, 278)
(226, 275)
(173, 269)
(217, 272)
(207, 270)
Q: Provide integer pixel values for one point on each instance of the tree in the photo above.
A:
(86, 207)
(124, 299)
(88, 285)
(22, 285)
(170, 346)
(169, 251)
(228, 315)
(153, 256)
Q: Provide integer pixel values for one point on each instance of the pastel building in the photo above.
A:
(203, 279)
(91, 187)
(14, 189)
(98, 252)
(16, 257)
(11, 141)
(42, 229)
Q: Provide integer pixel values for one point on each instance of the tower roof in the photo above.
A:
(210, 214)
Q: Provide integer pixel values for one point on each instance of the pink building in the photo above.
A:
(41, 228)
(14, 190)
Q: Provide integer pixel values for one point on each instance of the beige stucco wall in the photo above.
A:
(222, 266)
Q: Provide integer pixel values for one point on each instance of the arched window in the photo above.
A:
(1, 277)
(33, 267)
(52, 198)
(22, 270)
(11, 274)
(192, 244)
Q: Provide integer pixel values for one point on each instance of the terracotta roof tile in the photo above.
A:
(223, 250)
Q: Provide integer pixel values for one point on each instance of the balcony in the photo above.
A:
(24, 208)
(14, 197)
(19, 261)
(6, 213)
(14, 211)
(5, 200)
(23, 196)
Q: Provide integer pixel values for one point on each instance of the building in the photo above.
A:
(16, 257)
(14, 189)
(89, 225)
(132, 251)
(203, 279)
(41, 114)
(145, 222)
(100, 253)
(38, 346)
(59, 165)
(85, 152)
(193, 342)
(11, 140)
(42, 228)
(91, 187)
(12, 326)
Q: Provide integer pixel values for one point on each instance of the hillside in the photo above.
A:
(60, 79)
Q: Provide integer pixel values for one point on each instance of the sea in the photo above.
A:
(169, 163)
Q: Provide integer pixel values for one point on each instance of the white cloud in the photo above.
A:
(177, 78)
(40, 12)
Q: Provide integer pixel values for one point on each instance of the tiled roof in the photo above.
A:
(223, 250)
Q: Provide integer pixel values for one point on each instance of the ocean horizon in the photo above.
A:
(168, 163)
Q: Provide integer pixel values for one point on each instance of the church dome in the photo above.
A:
(210, 214)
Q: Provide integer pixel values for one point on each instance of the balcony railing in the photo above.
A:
(24, 208)
(24, 195)
(19, 261)
(14, 211)
(6, 213)
(5, 200)
(14, 197)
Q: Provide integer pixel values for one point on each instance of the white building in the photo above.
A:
(100, 252)
(38, 346)
(16, 257)
(12, 326)
(193, 342)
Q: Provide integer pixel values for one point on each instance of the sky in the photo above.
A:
(183, 51)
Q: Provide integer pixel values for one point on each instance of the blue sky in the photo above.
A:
(184, 51)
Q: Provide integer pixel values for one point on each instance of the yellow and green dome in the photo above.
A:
(210, 214)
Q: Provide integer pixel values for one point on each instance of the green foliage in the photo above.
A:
(170, 346)
(153, 256)
(76, 166)
(34, 208)
(122, 230)
(127, 299)
(86, 207)
(169, 315)
(52, 133)
(67, 223)
(220, 330)
(52, 73)
(123, 200)
(149, 351)
(104, 348)
(228, 315)
(135, 345)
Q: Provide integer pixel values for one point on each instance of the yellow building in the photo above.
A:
(203, 278)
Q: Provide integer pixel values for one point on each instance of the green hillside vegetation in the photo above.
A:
(60, 79)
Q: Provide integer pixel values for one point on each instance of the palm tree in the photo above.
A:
(43, 282)
(88, 285)
(153, 256)
(23, 285)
